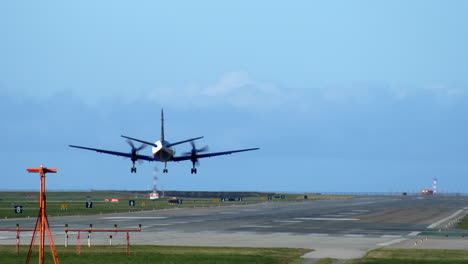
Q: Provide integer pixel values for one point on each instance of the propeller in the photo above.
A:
(134, 149)
(194, 152)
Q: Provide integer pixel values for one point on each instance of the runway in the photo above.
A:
(334, 228)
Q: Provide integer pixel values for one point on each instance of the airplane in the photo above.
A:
(163, 152)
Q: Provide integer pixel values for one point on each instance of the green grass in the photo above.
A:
(463, 224)
(76, 202)
(162, 255)
(325, 261)
(413, 256)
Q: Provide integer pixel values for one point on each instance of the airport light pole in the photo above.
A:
(42, 224)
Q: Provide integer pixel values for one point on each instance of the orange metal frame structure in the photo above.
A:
(42, 224)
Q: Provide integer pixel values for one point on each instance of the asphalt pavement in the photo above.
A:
(340, 229)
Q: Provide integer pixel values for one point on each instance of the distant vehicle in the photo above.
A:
(154, 196)
(163, 152)
(427, 192)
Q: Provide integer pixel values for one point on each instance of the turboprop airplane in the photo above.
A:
(163, 152)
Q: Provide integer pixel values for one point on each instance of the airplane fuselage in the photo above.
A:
(161, 152)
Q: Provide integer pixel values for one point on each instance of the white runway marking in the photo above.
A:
(434, 225)
(350, 213)
(390, 236)
(361, 211)
(288, 221)
(415, 233)
(326, 219)
(391, 242)
(233, 212)
(317, 234)
(6, 238)
(353, 235)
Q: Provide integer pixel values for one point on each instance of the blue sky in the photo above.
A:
(341, 96)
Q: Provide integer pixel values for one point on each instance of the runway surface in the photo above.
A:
(334, 228)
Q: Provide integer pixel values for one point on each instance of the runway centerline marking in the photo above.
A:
(326, 219)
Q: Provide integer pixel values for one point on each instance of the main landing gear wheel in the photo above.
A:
(133, 170)
(194, 171)
(165, 170)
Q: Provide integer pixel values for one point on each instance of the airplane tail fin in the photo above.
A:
(162, 125)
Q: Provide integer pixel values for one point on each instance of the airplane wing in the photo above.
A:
(207, 155)
(116, 153)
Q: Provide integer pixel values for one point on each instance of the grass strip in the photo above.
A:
(413, 256)
(463, 224)
(161, 255)
(325, 261)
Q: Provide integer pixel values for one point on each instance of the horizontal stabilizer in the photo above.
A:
(184, 141)
(139, 140)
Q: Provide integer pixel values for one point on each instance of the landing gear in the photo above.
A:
(194, 170)
(165, 171)
(133, 170)
(165, 168)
